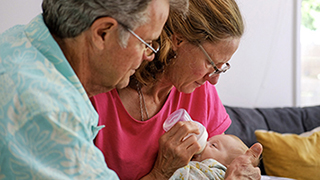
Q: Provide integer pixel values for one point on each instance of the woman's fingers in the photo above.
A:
(182, 128)
(245, 166)
(175, 150)
(254, 153)
(180, 138)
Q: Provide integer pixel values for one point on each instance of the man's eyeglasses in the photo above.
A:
(151, 48)
(223, 69)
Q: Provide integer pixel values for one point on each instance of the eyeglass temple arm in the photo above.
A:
(142, 40)
(210, 60)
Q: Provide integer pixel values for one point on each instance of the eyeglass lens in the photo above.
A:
(222, 69)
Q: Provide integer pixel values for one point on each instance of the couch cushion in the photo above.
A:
(244, 122)
(283, 120)
(311, 117)
(291, 155)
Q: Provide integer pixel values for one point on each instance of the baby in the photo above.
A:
(219, 152)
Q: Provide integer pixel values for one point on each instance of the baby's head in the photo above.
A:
(224, 148)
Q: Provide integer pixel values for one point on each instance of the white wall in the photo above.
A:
(14, 12)
(263, 72)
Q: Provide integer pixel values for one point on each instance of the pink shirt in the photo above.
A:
(130, 146)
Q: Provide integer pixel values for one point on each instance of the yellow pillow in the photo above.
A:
(291, 155)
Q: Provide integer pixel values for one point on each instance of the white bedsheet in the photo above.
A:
(264, 177)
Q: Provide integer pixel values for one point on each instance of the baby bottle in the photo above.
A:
(182, 115)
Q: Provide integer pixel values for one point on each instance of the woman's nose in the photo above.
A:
(212, 79)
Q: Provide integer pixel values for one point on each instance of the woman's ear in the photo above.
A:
(177, 41)
(101, 30)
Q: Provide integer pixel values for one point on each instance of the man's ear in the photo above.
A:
(102, 29)
(177, 41)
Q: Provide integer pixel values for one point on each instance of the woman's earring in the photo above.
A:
(172, 55)
(175, 55)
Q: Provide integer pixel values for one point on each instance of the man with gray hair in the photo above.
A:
(50, 67)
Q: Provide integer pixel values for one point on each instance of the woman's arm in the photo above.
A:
(245, 167)
(175, 153)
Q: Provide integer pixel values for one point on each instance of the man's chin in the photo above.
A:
(122, 84)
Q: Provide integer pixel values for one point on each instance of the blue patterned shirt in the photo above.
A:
(47, 123)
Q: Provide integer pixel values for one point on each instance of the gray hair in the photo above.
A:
(69, 18)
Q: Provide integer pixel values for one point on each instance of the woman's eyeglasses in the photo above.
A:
(223, 69)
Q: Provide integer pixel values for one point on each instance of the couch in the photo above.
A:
(296, 120)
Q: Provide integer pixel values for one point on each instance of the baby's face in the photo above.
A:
(223, 148)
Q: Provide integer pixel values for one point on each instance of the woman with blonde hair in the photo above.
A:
(194, 51)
